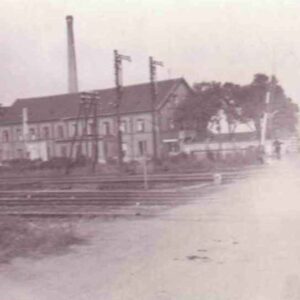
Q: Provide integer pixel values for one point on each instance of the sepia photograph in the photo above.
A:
(149, 150)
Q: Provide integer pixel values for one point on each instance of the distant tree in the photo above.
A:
(282, 111)
(197, 111)
(231, 105)
(252, 100)
(202, 109)
(240, 104)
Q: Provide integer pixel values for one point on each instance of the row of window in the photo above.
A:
(61, 133)
(141, 125)
(124, 127)
(32, 134)
(141, 147)
(63, 150)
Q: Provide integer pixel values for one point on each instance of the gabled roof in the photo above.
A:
(136, 98)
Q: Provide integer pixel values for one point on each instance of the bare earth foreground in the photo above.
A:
(240, 242)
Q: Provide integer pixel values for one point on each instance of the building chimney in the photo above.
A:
(72, 70)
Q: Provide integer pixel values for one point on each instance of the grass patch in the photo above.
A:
(21, 237)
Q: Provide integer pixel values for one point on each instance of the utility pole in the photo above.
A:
(118, 58)
(267, 111)
(86, 101)
(88, 108)
(152, 65)
(269, 97)
(95, 135)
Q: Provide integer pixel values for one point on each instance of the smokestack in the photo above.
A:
(72, 70)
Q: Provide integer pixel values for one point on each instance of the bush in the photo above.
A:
(56, 163)
(131, 167)
(178, 158)
(112, 161)
(209, 161)
(23, 164)
(20, 237)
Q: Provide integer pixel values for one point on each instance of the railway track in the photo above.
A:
(134, 181)
(97, 202)
(57, 203)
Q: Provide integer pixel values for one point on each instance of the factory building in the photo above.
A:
(45, 127)
(54, 126)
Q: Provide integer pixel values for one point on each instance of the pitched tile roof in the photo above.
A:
(136, 98)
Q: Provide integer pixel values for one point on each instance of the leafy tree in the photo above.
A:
(252, 100)
(202, 109)
(283, 112)
(241, 104)
(196, 112)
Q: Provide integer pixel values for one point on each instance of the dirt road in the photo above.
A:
(240, 242)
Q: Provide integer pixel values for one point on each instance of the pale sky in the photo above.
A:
(222, 40)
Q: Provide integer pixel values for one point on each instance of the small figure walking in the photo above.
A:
(277, 148)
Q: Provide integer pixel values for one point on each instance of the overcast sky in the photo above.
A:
(222, 40)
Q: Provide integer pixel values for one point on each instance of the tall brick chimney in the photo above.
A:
(72, 69)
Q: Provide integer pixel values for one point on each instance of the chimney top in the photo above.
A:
(69, 18)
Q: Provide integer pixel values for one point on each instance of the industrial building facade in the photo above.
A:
(44, 127)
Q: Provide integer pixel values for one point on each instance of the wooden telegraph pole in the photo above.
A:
(95, 135)
(118, 58)
(88, 109)
(152, 66)
(267, 115)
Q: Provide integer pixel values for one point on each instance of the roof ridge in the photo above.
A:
(105, 89)
(137, 98)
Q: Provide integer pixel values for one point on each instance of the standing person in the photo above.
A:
(277, 148)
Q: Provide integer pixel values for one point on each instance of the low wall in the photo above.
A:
(201, 149)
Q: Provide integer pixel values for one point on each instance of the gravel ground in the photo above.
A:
(239, 242)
